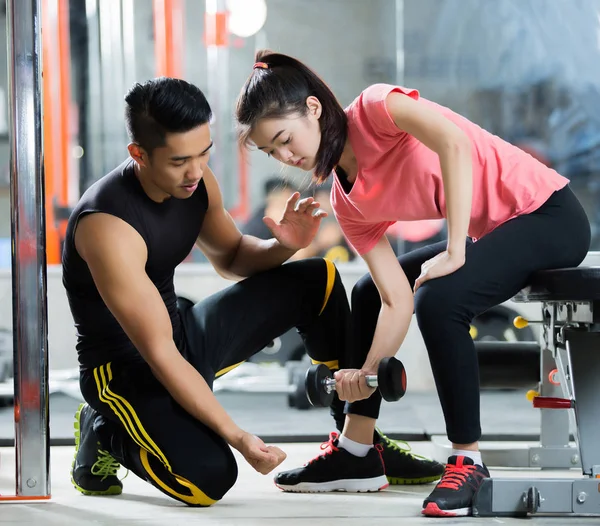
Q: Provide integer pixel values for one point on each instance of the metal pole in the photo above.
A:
(112, 83)
(217, 53)
(30, 316)
(399, 7)
(400, 42)
(95, 159)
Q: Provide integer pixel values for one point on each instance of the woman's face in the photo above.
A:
(294, 139)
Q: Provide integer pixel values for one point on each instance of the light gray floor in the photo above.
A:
(254, 500)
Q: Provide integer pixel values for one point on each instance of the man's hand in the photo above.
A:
(351, 385)
(299, 224)
(261, 457)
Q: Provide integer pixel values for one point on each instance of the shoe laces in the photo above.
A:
(395, 445)
(327, 447)
(454, 475)
(106, 465)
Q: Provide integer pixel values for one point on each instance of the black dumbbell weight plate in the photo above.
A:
(315, 386)
(392, 379)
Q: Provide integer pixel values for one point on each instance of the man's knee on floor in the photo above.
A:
(210, 481)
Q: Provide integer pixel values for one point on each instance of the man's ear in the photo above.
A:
(314, 106)
(138, 154)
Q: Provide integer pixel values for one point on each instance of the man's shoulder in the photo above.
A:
(107, 194)
(114, 180)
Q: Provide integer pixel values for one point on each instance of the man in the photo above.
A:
(147, 361)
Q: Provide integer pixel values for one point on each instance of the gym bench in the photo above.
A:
(570, 370)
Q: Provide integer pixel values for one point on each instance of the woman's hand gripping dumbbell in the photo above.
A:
(390, 380)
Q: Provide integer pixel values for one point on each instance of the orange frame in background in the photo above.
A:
(56, 86)
(168, 37)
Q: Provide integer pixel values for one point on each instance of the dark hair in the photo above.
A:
(161, 106)
(282, 88)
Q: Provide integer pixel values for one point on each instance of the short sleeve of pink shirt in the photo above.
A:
(370, 107)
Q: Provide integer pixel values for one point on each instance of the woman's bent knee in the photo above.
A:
(365, 292)
(435, 305)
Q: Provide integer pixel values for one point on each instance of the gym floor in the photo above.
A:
(254, 500)
(506, 417)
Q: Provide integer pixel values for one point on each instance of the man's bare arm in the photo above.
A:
(234, 256)
(116, 256)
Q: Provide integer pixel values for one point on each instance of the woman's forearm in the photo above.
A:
(392, 326)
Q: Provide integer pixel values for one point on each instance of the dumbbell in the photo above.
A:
(390, 379)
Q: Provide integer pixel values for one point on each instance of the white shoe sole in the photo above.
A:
(348, 485)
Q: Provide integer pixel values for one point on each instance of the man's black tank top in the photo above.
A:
(169, 229)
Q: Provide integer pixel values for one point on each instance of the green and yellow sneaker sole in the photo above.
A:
(397, 481)
(111, 490)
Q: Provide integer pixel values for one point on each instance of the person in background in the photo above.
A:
(276, 193)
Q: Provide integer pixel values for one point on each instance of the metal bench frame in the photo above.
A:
(570, 339)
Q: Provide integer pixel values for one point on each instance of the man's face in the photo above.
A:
(175, 169)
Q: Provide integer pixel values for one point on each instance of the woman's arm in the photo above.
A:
(454, 150)
(396, 304)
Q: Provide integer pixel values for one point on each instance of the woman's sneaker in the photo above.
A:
(94, 471)
(336, 470)
(404, 467)
(453, 495)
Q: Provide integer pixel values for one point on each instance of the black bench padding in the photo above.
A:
(566, 284)
(508, 365)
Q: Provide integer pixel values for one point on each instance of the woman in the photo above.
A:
(395, 156)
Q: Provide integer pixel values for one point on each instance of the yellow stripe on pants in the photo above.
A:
(330, 282)
(132, 424)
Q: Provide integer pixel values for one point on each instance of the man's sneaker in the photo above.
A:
(94, 471)
(336, 470)
(404, 467)
(453, 495)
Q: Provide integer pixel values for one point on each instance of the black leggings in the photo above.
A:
(150, 434)
(497, 267)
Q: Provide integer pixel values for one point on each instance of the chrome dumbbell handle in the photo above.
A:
(329, 383)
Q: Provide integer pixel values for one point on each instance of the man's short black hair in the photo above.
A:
(161, 106)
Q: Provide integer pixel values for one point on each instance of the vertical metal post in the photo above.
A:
(399, 7)
(112, 84)
(30, 316)
(400, 42)
(555, 431)
(129, 58)
(95, 116)
(217, 53)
